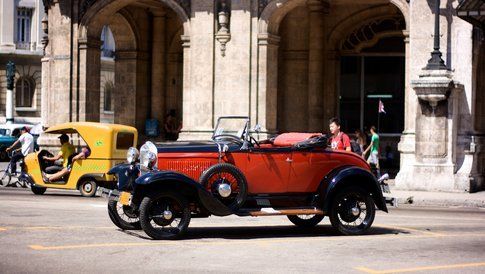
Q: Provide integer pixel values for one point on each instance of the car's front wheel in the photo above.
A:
(38, 190)
(164, 216)
(352, 211)
(124, 217)
(305, 220)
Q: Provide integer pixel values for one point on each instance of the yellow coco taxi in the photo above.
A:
(108, 144)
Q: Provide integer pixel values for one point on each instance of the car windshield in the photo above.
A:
(234, 126)
(3, 132)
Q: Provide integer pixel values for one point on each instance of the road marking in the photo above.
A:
(413, 230)
(54, 227)
(416, 269)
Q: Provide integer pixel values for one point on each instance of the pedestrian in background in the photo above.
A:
(339, 140)
(373, 147)
(361, 140)
(172, 126)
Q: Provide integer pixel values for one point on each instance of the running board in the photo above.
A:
(268, 211)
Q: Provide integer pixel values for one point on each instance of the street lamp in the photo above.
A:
(436, 63)
(10, 86)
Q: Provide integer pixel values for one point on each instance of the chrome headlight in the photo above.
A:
(132, 155)
(148, 155)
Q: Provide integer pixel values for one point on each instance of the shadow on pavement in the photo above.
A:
(266, 232)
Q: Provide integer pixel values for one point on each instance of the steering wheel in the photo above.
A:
(228, 137)
(251, 138)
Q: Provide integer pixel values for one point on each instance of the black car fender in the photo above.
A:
(174, 181)
(125, 174)
(350, 176)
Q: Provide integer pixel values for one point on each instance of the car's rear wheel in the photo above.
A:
(124, 217)
(88, 187)
(38, 190)
(227, 183)
(352, 211)
(305, 220)
(164, 216)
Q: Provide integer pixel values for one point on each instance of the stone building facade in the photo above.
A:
(290, 65)
(20, 42)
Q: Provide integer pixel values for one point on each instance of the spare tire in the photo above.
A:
(227, 183)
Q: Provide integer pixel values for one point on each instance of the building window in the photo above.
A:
(24, 23)
(108, 44)
(24, 92)
(108, 96)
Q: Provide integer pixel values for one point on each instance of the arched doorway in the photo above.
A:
(140, 77)
(320, 47)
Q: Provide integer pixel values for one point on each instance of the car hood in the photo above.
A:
(188, 146)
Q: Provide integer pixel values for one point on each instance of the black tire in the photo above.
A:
(347, 208)
(38, 190)
(226, 173)
(153, 221)
(4, 155)
(88, 187)
(132, 215)
(301, 221)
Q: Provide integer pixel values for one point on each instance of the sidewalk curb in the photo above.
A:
(420, 202)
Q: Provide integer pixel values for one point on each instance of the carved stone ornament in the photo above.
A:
(223, 18)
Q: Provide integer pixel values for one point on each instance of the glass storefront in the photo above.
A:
(364, 81)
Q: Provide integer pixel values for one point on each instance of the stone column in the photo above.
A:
(125, 86)
(7, 23)
(158, 67)
(406, 145)
(198, 93)
(316, 53)
(89, 81)
(267, 112)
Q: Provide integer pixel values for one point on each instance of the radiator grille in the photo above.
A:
(193, 169)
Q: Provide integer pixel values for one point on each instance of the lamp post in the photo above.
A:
(10, 86)
(436, 63)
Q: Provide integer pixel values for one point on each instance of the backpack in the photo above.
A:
(355, 147)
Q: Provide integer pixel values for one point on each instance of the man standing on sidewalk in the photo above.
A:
(374, 150)
(340, 140)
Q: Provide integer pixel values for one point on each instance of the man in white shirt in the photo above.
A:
(27, 142)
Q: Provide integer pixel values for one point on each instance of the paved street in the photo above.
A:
(63, 232)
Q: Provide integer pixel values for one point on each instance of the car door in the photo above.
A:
(267, 170)
(307, 170)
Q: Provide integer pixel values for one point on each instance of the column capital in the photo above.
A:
(159, 12)
(185, 41)
(85, 43)
(268, 39)
(318, 6)
(406, 36)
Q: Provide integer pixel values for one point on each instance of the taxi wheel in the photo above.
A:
(164, 216)
(305, 220)
(38, 190)
(88, 187)
(124, 217)
(352, 211)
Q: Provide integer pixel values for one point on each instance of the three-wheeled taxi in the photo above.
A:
(108, 144)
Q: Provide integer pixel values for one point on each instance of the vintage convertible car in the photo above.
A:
(293, 174)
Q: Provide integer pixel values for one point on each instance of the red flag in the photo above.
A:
(381, 107)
